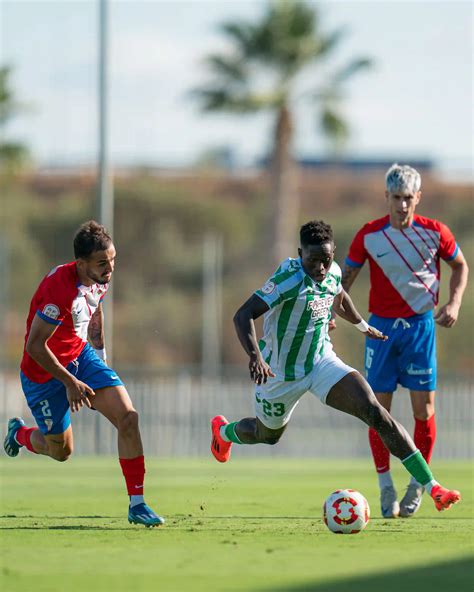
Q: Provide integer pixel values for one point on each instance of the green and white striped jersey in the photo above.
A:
(295, 328)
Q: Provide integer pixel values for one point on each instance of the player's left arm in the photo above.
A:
(344, 307)
(95, 332)
(447, 315)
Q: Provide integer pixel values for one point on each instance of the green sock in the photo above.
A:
(417, 466)
(230, 432)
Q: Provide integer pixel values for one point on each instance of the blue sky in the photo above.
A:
(416, 102)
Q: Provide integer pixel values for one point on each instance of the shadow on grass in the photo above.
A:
(65, 527)
(456, 575)
(45, 526)
(94, 517)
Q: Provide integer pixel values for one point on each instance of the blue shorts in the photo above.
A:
(48, 400)
(408, 357)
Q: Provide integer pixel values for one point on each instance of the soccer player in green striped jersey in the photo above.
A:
(295, 355)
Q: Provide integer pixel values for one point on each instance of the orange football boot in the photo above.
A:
(219, 447)
(444, 498)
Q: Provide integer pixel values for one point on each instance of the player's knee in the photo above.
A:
(61, 454)
(128, 424)
(270, 439)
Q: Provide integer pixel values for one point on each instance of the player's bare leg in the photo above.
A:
(249, 430)
(57, 446)
(115, 404)
(423, 405)
(389, 505)
(353, 395)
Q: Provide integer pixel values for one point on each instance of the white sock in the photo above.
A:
(136, 499)
(429, 486)
(385, 479)
(222, 433)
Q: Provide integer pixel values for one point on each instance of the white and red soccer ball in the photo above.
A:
(346, 511)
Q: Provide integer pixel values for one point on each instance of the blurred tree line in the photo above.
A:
(261, 69)
(161, 223)
(13, 154)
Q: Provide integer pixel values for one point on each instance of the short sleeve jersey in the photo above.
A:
(296, 325)
(404, 264)
(61, 300)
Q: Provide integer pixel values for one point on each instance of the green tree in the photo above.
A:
(263, 70)
(12, 154)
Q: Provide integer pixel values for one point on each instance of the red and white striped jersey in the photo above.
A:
(63, 301)
(404, 264)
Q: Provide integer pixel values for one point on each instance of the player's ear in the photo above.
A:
(81, 263)
(418, 197)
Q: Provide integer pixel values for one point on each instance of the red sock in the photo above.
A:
(133, 470)
(425, 436)
(380, 454)
(23, 437)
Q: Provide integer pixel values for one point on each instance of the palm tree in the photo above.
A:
(263, 71)
(12, 154)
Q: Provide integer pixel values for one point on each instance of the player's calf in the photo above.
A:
(60, 454)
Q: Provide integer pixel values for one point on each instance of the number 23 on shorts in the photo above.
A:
(271, 409)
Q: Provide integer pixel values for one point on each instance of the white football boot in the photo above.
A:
(411, 501)
(389, 506)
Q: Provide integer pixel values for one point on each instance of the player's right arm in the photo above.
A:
(37, 348)
(354, 262)
(244, 324)
(355, 259)
(349, 275)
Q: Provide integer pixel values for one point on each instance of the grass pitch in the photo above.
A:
(250, 525)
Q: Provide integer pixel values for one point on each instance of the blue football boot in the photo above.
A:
(142, 514)
(10, 445)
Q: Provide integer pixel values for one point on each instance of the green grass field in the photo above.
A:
(250, 525)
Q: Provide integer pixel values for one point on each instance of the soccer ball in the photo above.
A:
(346, 512)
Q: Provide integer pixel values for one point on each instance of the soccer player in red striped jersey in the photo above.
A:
(64, 366)
(404, 251)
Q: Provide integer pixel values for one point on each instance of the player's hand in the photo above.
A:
(373, 333)
(447, 315)
(332, 325)
(78, 394)
(260, 371)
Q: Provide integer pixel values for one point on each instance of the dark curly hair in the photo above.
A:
(90, 237)
(315, 232)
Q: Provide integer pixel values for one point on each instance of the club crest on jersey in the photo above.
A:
(268, 287)
(294, 265)
(51, 311)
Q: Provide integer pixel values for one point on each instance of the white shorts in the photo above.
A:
(276, 400)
